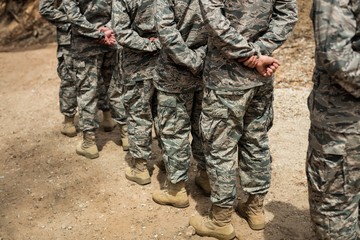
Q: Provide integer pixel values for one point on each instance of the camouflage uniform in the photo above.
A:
(333, 158)
(54, 12)
(134, 24)
(179, 84)
(237, 105)
(93, 62)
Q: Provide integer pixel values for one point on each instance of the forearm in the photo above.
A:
(125, 35)
(281, 24)
(51, 13)
(84, 27)
(132, 40)
(191, 59)
(172, 41)
(233, 44)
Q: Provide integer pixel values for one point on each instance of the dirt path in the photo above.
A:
(48, 192)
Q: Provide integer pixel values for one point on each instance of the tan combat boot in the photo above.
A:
(108, 123)
(124, 137)
(252, 210)
(69, 127)
(174, 195)
(217, 225)
(87, 147)
(202, 181)
(139, 172)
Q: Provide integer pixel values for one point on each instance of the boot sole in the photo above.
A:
(90, 156)
(69, 134)
(215, 235)
(171, 204)
(256, 227)
(218, 236)
(140, 182)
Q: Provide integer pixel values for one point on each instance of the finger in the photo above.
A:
(269, 71)
(272, 67)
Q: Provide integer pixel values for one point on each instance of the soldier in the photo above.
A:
(94, 53)
(333, 158)
(179, 95)
(134, 26)
(237, 105)
(53, 11)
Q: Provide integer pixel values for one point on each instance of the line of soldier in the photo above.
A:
(199, 68)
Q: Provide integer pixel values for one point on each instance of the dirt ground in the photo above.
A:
(49, 192)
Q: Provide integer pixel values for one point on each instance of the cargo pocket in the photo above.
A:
(167, 114)
(213, 117)
(81, 74)
(325, 164)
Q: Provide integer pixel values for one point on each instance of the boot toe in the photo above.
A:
(90, 153)
(205, 227)
(141, 178)
(69, 131)
(162, 197)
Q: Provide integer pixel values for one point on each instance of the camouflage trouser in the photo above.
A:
(333, 173)
(92, 87)
(177, 116)
(138, 100)
(106, 65)
(234, 130)
(67, 93)
(116, 95)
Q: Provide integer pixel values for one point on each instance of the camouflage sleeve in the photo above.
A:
(125, 35)
(171, 40)
(232, 43)
(281, 24)
(78, 19)
(48, 10)
(335, 26)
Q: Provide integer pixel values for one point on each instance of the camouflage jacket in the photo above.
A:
(243, 28)
(134, 24)
(53, 11)
(183, 38)
(334, 103)
(86, 17)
